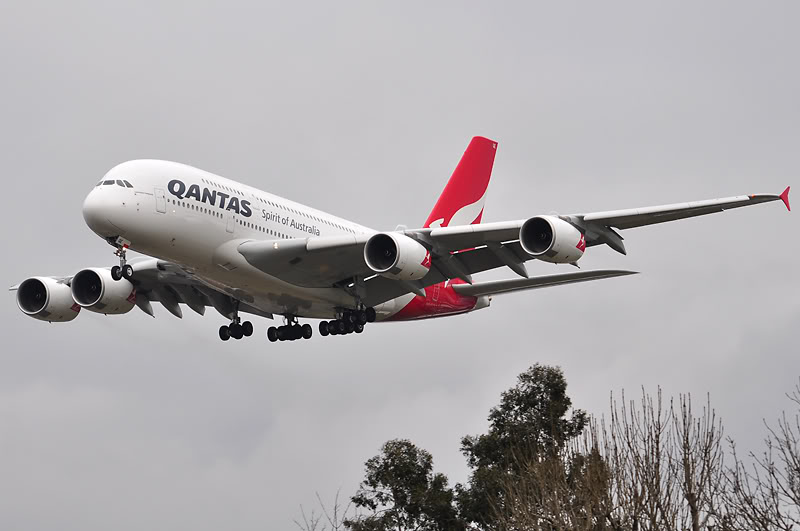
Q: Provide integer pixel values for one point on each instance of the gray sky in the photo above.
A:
(363, 110)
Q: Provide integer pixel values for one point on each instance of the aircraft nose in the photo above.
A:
(95, 213)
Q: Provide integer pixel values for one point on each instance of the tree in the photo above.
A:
(529, 425)
(766, 495)
(401, 492)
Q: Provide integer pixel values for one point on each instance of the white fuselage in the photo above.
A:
(197, 220)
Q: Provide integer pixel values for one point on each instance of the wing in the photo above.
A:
(497, 287)
(456, 251)
(172, 286)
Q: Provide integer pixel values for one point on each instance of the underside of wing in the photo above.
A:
(173, 287)
(320, 262)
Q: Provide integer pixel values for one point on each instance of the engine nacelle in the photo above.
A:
(46, 299)
(397, 256)
(552, 239)
(95, 290)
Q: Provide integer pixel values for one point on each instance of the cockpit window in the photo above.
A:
(98, 184)
(107, 183)
(129, 185)
(120, 183)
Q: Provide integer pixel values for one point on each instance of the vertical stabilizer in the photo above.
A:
(461, 202)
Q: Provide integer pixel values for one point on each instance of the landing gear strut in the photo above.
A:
(237, 329)
(350, 321)
(123, 270)
(291, 331)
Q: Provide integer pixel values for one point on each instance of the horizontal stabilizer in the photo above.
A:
(496, 287)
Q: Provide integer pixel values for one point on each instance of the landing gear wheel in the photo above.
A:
(127, 271)
(247, 328)
(236, 331)
(297, 332)
(361, 317)
(359, 328)
(341, 328)
(323, 328)
(272, 334)
(371, 315)
(349, 327)
(224, 333)
(307, 331)
(116, 273)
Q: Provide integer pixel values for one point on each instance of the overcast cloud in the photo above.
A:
(363, 110)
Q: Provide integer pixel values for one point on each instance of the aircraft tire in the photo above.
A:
(272, 334)
(371, 315)
(307, 331)
(247, 328)
(236, 331)
(224, 333)
(359, 328)
(116, 273)
(127, 272)
(323, 328)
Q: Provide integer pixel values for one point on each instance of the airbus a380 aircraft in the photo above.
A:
(216, 242)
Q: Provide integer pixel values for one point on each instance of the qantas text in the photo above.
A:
(212, 197)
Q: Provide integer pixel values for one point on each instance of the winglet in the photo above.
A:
(785, 198)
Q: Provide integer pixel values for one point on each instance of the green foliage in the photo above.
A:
(401, 492)
(530, 423)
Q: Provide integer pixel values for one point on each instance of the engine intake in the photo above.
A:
(46, 299)
(95, 290)
(397, 256)
(552, 239)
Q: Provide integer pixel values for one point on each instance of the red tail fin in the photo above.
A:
(461, 202)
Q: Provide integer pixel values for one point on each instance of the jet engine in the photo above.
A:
(397, 256)
(95, 290)
(552, 239)
(46, 299)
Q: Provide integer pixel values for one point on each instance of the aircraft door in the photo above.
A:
(161, 201)
(231, 221)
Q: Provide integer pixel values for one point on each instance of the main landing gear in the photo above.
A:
(236, 330)
(123, 270)
(351, 321)
(291, 331)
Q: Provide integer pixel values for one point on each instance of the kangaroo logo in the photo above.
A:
(582, 244)
(426, 262)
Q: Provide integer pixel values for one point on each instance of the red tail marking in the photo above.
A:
(785, 198)
(448, 302)
(467, 186)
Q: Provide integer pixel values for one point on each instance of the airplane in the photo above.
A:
(214, 242)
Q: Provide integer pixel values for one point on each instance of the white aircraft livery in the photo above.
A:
(216, 242)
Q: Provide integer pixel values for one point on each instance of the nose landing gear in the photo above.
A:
(123, 270)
